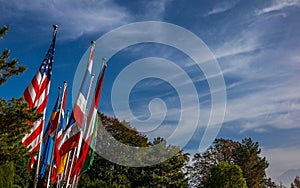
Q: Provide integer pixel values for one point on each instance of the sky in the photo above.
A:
(255, 43)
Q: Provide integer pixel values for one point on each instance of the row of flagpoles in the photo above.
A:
(61, 147)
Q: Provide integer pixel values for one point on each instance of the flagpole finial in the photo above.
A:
(55, 27)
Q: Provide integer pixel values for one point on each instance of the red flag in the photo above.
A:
(88, 133)
(72, 133)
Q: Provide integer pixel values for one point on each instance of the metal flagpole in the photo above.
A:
(71, 166)
(49, 173)
(62, 181)
(75, 182)
(35, 181)
(55, 137)
(85, 119)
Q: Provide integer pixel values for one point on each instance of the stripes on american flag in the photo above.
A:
(36, 94)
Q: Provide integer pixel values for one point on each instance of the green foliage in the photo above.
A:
(225, 175)
(108, 174)
(86, 182)
(246, 155)
(7, 175)
(14, 117)
(8, 68)
(3, 31)
(220, 151)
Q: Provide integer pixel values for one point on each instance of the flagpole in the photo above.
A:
(85, 119)
(80, 139)
(56, 131)
(68, 157)
(35, 181)
(76, 180)
(49, 173)
(71, 166)
(65, 173)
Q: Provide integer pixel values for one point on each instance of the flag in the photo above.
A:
(63, 159)
(47, 145)
(89, 130)
(36, 95)
(72, 134)
(58, 133)
(91, 152)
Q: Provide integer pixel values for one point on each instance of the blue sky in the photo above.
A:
(256, 44)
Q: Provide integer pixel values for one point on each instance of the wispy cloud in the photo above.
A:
(222, 6)
(278, 5)
(75, 18)
(155, 10)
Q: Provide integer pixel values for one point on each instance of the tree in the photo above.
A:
(245, 154)
(296, 183)
(225, 175)
(14, 117)
(104, 173)
(8, 68)
(220, 151)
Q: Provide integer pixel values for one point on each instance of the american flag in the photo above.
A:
(36, 94)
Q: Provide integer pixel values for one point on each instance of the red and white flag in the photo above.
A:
(88, 131)
(72, 134)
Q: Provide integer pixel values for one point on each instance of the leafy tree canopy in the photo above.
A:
(245, 154)
(107, 174)
(225, 175)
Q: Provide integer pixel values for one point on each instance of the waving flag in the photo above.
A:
(36, 94)
(89, 130)
(48, 142)
(72, 135)
(58, 133)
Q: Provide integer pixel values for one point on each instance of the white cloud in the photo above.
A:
(223, 6)
(278, 5)
(75, 18)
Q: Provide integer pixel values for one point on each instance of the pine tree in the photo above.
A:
(247, 156)
(8, 68)
(14, 117)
